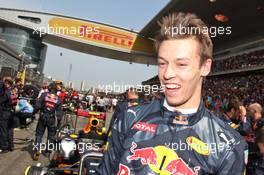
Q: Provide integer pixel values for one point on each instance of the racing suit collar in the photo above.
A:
(177, 118)
(182, 111)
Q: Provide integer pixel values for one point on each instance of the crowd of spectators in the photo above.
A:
(248, 60)
(248, 88)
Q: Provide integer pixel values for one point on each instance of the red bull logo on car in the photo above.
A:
(161, 160)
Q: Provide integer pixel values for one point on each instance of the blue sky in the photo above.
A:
(95, 71)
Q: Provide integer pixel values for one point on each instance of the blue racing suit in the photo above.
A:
(49, 104)
(150, 139)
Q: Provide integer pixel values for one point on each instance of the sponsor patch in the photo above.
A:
(180, 120)
(162, 160)
(145, 127)
(198, 145)
(123, 170)
(225, 138)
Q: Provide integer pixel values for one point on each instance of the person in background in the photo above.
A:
(19, 88)
(114, 103)
(255, 112)
(256, 158)
(49, 105)
(58, 87)
(63, 94)
(101, 104)
(90, 99)
(44, 89)
(8, 101)
(257, 122)
(235, 116)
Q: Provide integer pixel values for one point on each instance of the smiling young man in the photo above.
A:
(177, 134)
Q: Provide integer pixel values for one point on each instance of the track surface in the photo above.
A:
(15, 163)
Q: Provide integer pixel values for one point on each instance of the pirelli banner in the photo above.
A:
(84, 36)
(101, 35)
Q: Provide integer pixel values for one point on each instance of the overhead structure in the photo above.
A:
(232, 22)
(244, 18)
(84, 36)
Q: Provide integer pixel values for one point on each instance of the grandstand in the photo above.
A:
(238, 60)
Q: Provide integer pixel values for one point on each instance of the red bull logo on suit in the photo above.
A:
(160, 159)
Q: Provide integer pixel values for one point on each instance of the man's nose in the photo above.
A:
(170, 72)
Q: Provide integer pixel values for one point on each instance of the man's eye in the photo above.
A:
(161, 63)
(182, 64)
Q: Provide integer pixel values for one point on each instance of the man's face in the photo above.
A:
(132, 95)
(234, 114)
(58, 87)
(180, 72)
(251, 112)
(19, 83)
(7, 85)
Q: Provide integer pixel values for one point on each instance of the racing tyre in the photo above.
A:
(31, 91)
(34, 170)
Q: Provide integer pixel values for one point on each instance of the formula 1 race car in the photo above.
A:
(76, 153)
(86, 166)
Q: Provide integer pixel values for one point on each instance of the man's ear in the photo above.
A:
(206, 67)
